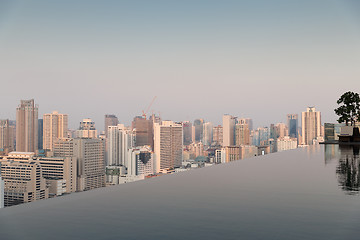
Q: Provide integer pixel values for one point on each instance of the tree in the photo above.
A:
(349, 111)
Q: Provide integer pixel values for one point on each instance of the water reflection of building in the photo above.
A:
(348, 169)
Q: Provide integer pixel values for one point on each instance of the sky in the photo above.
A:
(202, 59)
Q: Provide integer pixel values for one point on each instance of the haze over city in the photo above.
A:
(202, 59)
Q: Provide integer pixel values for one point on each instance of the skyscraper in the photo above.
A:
(55, 126)
(311, 125)
(168, 145)
(110, 120)
(1, 192)
(120, 140)
(228, 130)
(242, 134)
(247, 121)
(87, 129)
(198, 124)
(207, 133)
(140, 162)
(218, 135)
(7, 136)
(27, 126)
(40, 133)
(292, 124)
(187, 129)
(144, 131)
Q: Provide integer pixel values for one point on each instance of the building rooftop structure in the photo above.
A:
(298, 194)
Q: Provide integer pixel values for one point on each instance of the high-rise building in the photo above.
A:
(89, 154)
(218, 135)
(40, 133)
(110, 120)
(23, 180)
(144, 133)
(141, 161)
(292, 124)
(198, 125)
(7, 137)
(168, 145)
(187, 132)
(27, 126)
(55, 126)
(242, 134)
(87, 129)
(120, 140)
(281, 130)
(1, 192)
(311, 125)
(247, 121)
(207, 133)
(228, 130)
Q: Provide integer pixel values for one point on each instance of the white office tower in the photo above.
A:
(141, 161)
(120, 140)
(207, 133)
(55, 125)
(228, 130)
(168, 145)
(1, 192)
(311, 126)
(87, 129)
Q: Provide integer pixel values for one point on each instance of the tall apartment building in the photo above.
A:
(168, 145)
(120, 140)
(293, 125)
(187, 132)
(27, 126)
(247, 121)
(7, 136)
(207, 133)
(281, 130)
(143, 131)
(55, 125)
(218, 135)
(311, 125)
(228, 130)
(141, 161)
(23, 180)
(242, 134)
(89, 154)
(87, 129)
(110, 120)
(198, 128)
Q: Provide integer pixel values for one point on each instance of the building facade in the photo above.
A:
(228, 130)
(27, 126)
(311, 125)
(55, 125)
(7, 137)
(168, 145)
(293, 125)
(110, 120)
(120, 140)
(87, 129)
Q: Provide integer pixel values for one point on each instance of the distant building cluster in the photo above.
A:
(43, 158)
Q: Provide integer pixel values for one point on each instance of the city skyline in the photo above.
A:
(201, 59)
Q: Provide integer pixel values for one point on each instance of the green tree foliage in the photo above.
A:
(349, 110)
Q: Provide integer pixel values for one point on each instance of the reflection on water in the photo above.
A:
(348, 169)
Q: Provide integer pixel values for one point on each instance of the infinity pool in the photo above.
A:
(309, 193)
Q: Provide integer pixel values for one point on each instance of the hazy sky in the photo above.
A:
(258, 59)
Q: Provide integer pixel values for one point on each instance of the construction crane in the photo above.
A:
(144, 112)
